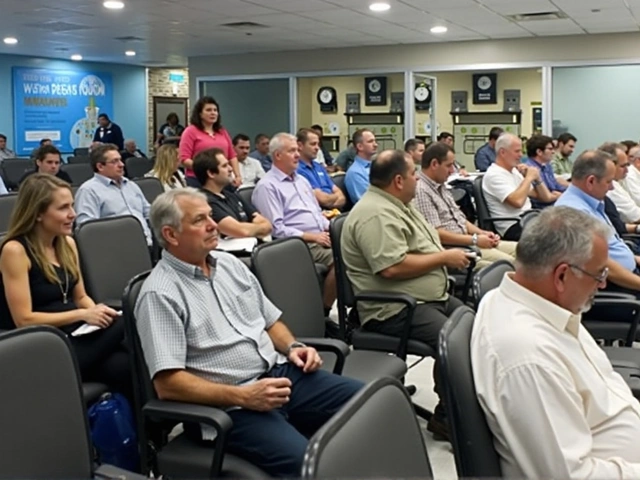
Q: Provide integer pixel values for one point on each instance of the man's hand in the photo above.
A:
(456, 258)
(463, 172)
(307, 358)
(533, 174)
(322, 239)
(484, 241)
(266, 394)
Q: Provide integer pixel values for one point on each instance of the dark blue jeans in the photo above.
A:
(276, 441)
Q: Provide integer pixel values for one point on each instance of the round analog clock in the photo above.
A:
(484, 83)
(325, 95)
(374, 86)
(421, 93)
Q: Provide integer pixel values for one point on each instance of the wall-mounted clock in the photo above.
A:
(327, 99)
(422, 96)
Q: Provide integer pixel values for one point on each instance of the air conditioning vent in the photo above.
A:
(530, 17)
(244, 25)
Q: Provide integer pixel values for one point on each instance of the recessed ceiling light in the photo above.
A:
(76, 57)
(10, 40)
(439, 29)
(379, 7)
(113, 4)
(130, 53)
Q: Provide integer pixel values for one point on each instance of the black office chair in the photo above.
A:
(374, 435)
(180, 456)
(245, 193)
(285, 269)
(137, 167)
(485, 220)
(13, 169)
(472, 440)
(151, 187)
(338, 179)
(44, 425)
(7, 204)
(81, 152)
(79, 172)
(78, 159)
(112, 251)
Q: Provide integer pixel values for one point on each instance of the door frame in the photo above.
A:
(182, 101)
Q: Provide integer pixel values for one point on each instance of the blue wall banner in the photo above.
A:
(62, 105)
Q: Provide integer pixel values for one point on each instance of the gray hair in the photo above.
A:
(557, 235)
(277, 142)
(505, 141)
(591, 162)
(129, 140)
(165, 211)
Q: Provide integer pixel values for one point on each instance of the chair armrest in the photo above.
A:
(613, 295)
(630, 236)
(403, 298)
(634, 319)
(502, 219)
(110, 472)
(338, 347)
(189, 412)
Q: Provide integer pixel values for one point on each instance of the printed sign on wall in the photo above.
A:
(485, 88)
(375, 91)
(62, 105)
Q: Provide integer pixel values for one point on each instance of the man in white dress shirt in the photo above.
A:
(633, 175)
(628, 208)
(554, 404)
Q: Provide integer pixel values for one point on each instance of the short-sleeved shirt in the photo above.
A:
(357, 178)
(194, 141)
(229, 204)
(561, 165)
(497, 184)
(379, 232)
(436, 204)
(317, 175)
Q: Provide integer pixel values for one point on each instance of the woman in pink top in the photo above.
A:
(206, 132)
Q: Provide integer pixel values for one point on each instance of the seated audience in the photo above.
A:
(435, 202)
(286, 199)
(507, 191)
(4, 151)
(165, 168)
(446, 138)
(234, 216)
(43, 142)
(357, 178)
(415, 148)
(328, 195)
(346, 157)
(632, 182)
(250, 168)
(109, 193)
(132, 150)
(628, 208)
(323, 157)
(170, 132)
(108, 132)
(41, 282)
(486, 154)
(591, 178)
(261, 152)
(561, 162)
(552, 400)
(539, 153)
(628, 145)
(221, 342)
(48, 161)
(388, 246)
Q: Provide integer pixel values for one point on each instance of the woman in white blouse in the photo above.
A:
(166, 166)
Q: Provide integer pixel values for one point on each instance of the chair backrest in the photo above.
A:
(13, 169)
(343, 284)
(472, 440)
(81, 152)
(489, 278)
(375, 435)
(151, 187)
(528, 216)
(112, 251)
(78, 159)
(245, 193)
(286, 271)
(79, 172)
(7, 204)
(338, 180)
(44, 425)
(481, 205)
(137, 166)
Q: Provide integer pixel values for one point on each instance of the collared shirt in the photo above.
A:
(435, 202)
(618, 251)
(289, 203)
(484, 157)
(112, 133)
(264, 159)
(552, 400)
(316, 174)
(7, 153)
(632, 183)
(380, 232)
(101, 197)
(548, 178)
(251, 171)
(497, 184)
(357, 178)
(629, 210)
(211, 326)
(561, 165)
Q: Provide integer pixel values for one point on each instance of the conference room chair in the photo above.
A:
(374, 435)
(485, 220)
(79, 172)
(151, 187)
(245, 193)
(44, 425)
(13, 169)
(338, 179)
(286, 272)
(472, 440)
(177, 456)
(78, 159)
(112, 251)
(81, 152)
(7, 204)
(137, 167)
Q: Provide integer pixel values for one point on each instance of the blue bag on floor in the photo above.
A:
(113, 432)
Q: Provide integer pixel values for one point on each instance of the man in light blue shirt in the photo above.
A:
(109, 193)
(357, 178)
(591, 179)
(261, 152)
(486, 154)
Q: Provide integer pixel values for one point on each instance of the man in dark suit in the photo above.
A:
(108, 132)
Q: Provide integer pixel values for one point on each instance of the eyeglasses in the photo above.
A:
(598, 278)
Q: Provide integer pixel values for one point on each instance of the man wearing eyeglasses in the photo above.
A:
(619, 194)
(549, 393)
(540, 153)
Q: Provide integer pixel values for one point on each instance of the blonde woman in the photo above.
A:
(166, 166)
(41, 282)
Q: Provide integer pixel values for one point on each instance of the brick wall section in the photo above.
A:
(160, 86)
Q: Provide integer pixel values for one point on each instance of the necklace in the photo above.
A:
(66, 287)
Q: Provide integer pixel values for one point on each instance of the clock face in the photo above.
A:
(326, 95)
(374, 86)
(421, 94)
(484, 83)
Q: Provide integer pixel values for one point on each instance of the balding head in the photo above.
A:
(394, 173)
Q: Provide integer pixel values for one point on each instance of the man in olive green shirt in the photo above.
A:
(388, 246)
(560, 162)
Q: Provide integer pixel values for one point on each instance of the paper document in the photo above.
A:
(237, 244)
(84, 329)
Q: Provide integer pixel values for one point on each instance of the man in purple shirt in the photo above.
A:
(287, 200)
(540, 152)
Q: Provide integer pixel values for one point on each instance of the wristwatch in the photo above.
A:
(474, 239)
(536, 183)
(294, 345)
